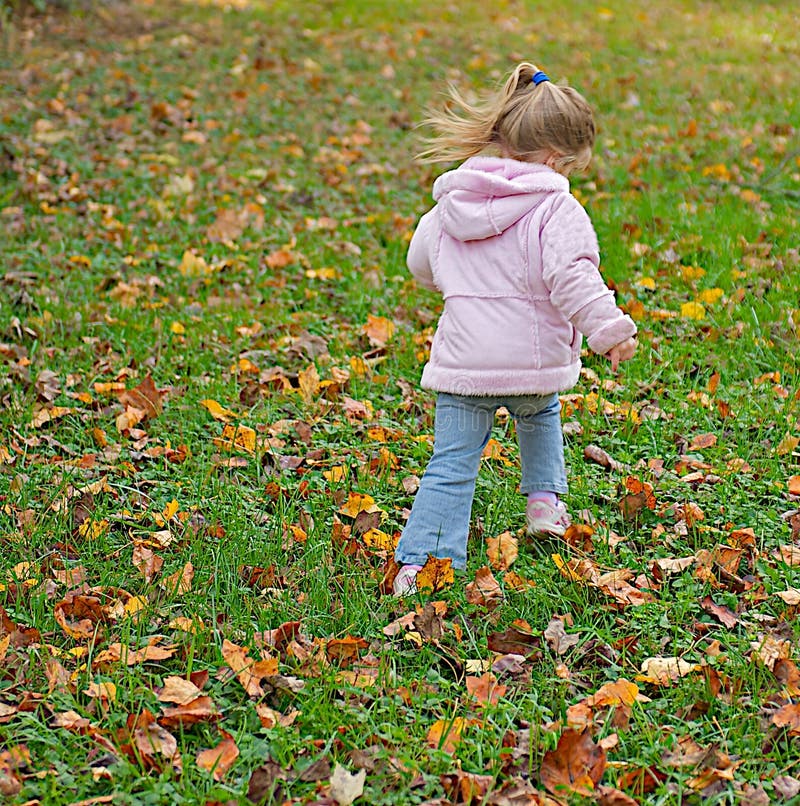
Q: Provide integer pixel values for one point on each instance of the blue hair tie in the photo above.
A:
(539, 77)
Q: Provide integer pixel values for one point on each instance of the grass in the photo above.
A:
(125, 134)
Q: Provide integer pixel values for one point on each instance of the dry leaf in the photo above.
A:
(446, 733)
(346, 786)
(485, 689)
(575, 766)
(436, 574)
(663, 671)
(218, 760)
(557, 638)
(502, 551)
(379, 330)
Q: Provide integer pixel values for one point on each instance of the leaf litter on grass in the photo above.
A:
(211, 434)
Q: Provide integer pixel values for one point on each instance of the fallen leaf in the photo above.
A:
(502, 551)
(485, 590)
(218, 760)
(485, 689)
(249, 672)
(178, 690)
(217, 411)
(663, 671)
(446, 733)
(721, 612)
(436, 574)
(557, 638)
(379, 330)
(575, 766)
(347, 786)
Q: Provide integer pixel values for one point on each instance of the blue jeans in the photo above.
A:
(439, 520)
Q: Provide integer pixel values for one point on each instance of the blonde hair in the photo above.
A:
(524, 120)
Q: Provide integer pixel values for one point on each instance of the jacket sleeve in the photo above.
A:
(421, 248)
(570, 270)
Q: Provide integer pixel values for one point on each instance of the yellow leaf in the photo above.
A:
(692, 272)
(710, 295)
(335, 474)
(379, 330)
(359, 502)
(693, 310)
(436, 574)
(309, 382)
(787, 445)
(647, 282)
(193, 265)
(92, 529)
(376, 539)
(217, 411)
(43, 415)
(102, 691)
(177, 328)
(502, 551)
(170, 510)
(663, 671)
(446, 733)
(237, 436)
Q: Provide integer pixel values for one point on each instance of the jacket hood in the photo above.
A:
(487, 195)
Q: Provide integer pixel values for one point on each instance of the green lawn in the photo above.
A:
(211, 424)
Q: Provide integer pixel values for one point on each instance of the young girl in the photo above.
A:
(515, 257)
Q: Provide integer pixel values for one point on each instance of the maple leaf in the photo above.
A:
(485, 590)
(502, 551)
(436, 574)
(379, 330)
(249, 672)
(575, 766)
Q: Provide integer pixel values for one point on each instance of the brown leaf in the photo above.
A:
(264, 786)
(502, 551)
(344, 650)
(152, 741)
(147, 562)
(178, 690)
(429, 620)
(485, 589)
(610, 796)
(788, 717)
(701, 441)
(518, 639)
(218, 760)
(179, 582)
(271, 718)
(144, 398)
(721, 612)
(200, 709)
(596, 454)
(466, 787)
(575, 766)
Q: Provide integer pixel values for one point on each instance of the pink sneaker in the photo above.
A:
(405, 583)
(546, 519)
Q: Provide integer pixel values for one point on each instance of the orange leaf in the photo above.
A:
(359, 502)
(485, 689)
(576, 765)
(379, 330)
(436, 574)
(794, 485)
(200, 709)
(485, 590)
(502, 551)
(248, 671)
(180, 581)
(218, 760)
(144, 397)
(446, 733)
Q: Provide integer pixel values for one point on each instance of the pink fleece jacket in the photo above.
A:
(515, 257)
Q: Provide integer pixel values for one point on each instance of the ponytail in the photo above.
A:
(525, 118)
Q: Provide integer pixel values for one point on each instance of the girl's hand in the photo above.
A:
(622, 352)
